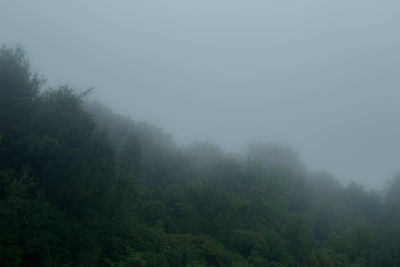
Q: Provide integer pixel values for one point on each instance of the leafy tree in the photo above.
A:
(275, 155)
(19, 90)
(27, 225)
(70, 158)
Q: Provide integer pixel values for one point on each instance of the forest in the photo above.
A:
(83, 186)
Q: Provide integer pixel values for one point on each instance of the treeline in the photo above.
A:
(82, 186)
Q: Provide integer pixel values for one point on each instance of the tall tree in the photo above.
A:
(19, 91)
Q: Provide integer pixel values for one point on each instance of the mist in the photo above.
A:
(321, 77)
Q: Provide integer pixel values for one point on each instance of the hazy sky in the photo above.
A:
(321, 76)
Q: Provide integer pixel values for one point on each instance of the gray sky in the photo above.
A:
(321, 76)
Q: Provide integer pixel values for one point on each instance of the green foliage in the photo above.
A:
(70, 158)
(130, 159)
(27, 224)
(19, 90)
(82, 186)
(275, 155)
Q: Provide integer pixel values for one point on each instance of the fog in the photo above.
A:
(319, 76)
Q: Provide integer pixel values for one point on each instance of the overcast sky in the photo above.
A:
(321, 76)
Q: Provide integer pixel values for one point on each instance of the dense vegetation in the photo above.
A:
(82, 186)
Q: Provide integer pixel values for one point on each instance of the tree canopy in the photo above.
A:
(83, 186)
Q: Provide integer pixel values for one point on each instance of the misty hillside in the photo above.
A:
(83, 186)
